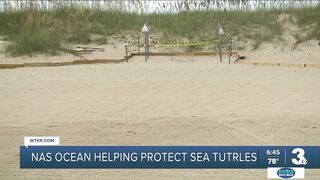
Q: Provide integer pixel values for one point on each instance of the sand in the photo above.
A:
(178, 101)
(304, 53)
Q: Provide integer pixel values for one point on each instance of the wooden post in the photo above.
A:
(139, 46)
(230, 48)
(220, 49)
(148, 49)
(126, 46)
(145, 46)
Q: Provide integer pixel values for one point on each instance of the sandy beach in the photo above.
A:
(166, 101)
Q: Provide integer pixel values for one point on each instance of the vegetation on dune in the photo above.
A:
(34, 30)
(38, 41)
(308, 19)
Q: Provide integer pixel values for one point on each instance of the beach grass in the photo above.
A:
(43, 31)
(308, 19)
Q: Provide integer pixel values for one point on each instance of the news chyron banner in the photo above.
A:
(47, 153)
(169, 156)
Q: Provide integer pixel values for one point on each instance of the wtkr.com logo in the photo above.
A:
(41, 141)
(290, 172)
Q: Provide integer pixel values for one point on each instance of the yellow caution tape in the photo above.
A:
(181, 43)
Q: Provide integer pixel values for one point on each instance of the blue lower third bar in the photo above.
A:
(111, 157)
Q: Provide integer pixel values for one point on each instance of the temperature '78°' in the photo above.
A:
(273, 160)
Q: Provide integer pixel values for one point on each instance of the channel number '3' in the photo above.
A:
(300, 160)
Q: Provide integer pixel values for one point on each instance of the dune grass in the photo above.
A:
(28, 42)
(40, 31)
(308, 19)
